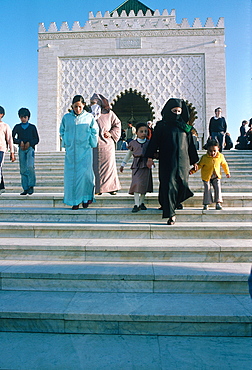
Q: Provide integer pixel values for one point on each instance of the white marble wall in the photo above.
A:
(190, 62)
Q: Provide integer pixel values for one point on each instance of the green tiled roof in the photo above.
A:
(129, 5)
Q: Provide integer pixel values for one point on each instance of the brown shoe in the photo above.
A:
(75, 207)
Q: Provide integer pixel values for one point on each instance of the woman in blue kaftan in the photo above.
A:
(79, 134)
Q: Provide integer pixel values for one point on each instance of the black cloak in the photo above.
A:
(173, 141)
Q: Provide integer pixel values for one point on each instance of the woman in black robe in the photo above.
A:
(172, 140)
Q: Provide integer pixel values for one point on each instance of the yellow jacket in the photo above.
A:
(209, 165)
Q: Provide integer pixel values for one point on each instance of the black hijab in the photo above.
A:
(168, 116)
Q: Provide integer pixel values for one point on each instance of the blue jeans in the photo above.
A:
(220, 137)
(1, 170)
(27, 170)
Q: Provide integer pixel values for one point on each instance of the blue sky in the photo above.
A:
(19, 41)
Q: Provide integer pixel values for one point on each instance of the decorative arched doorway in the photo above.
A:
(132, 106)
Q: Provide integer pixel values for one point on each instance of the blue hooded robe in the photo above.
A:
(79, 135)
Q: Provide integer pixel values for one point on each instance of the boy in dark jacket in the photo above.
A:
(26, 136)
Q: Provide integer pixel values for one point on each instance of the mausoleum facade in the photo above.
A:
(137, 59)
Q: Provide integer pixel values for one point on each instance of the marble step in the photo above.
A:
(11, 170)
(40, 189)
(234, 158)
(126, 313)
(46, 171)
(125, 180)
(235, 161)
(44, 174)
(95, 214)
(122, 199)
(126, 250)
(182, 278)
(246, 188)
(46, 188)
(128, 230)
(228, 153)
(125, 352)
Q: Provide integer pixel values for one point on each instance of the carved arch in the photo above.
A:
(133, 104)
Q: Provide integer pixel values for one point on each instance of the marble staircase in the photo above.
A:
(104, 271)
(50, 168)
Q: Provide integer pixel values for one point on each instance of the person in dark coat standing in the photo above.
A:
(218, 127)
(173, 141)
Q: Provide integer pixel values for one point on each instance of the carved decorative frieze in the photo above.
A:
(136, 33)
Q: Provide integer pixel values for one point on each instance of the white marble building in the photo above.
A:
(136, 60)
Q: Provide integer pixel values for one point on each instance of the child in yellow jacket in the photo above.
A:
(210, 164)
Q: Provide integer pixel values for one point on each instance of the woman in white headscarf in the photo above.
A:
(104, 161)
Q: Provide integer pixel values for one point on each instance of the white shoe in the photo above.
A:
(205, 207)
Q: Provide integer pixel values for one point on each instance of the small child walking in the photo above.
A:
(141, 175)
(25, 134)
(210, 164)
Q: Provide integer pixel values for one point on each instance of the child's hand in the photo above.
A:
(228, 175)
(121, 169)
(12, 157)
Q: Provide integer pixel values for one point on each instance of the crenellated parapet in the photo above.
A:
(139, 21)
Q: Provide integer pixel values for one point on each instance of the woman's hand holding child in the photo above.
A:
(193, 169)
(150, 163)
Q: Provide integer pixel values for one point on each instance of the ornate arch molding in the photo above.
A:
(131, 91)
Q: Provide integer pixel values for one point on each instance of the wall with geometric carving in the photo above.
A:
(154, 76)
